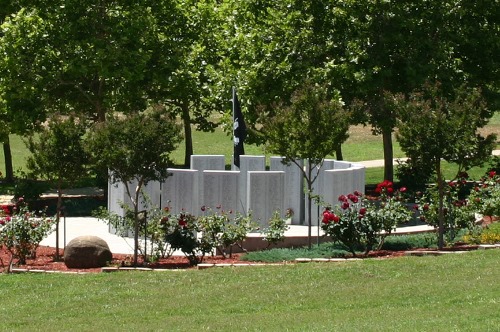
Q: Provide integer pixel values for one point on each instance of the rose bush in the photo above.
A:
(457, 210)
(277, 227)
(181, 232)
(359, 223)
(485, 197)
(223, 229)
(21, 230)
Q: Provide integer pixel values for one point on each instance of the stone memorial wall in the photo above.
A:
(251, 188)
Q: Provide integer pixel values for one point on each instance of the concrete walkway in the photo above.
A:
(380, 162)
(77, 226)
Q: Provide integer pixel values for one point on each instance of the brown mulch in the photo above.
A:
(45, 261)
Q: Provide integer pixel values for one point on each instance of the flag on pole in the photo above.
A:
(239, 130)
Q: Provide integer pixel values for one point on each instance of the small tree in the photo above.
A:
(311, 127)
(434, 127)
(137, 148)
(58, 156)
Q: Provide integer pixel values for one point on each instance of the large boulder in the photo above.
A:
(87, 251)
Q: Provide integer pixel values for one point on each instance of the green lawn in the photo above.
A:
(447, 293)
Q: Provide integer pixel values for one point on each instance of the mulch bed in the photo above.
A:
(45, 260)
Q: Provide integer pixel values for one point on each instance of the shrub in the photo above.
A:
(22, 231)
(485, 197)
(359, 222)
(181, 232)
(277, 227)
(221, 232)
(488, 235)
(458, 213)
(324, 250)
(410, 241)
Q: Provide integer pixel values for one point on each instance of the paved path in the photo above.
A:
(380, 162)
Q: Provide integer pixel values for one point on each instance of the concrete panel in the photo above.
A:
(294, 187)
(221, 189)
(180, 191)
(265, 195)
(247, 164)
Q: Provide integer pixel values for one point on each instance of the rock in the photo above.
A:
(85, 252)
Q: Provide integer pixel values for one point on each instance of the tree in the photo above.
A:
(362, 49)
(58, 156)
(406, 43)
(75, 56)
(436, 126)
(189, 87)
(309, 128)
(134, 148)
(98, 58)
(7, 7)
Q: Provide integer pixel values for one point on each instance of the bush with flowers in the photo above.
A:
(222, 229)
(194, 236)
(360, 223)
(457, 211)
(181, 231)
(21, 230)
(485, 196)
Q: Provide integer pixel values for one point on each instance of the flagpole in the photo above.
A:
(239, 132)
(233, 166)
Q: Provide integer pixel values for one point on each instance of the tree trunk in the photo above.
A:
(441, 204)
(188, 137)
(309, 203)
(338, 152)
(58, 218)
(9, 171)
(388, 154)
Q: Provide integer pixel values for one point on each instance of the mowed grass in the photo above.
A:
(458, 292)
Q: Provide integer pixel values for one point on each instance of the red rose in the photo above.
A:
(362, 211)
(492, 174)
(342, 198)
(345, 205)
(403, 189)
(353, 198)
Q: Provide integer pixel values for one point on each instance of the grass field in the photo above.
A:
(447, 293)
(361, 145)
